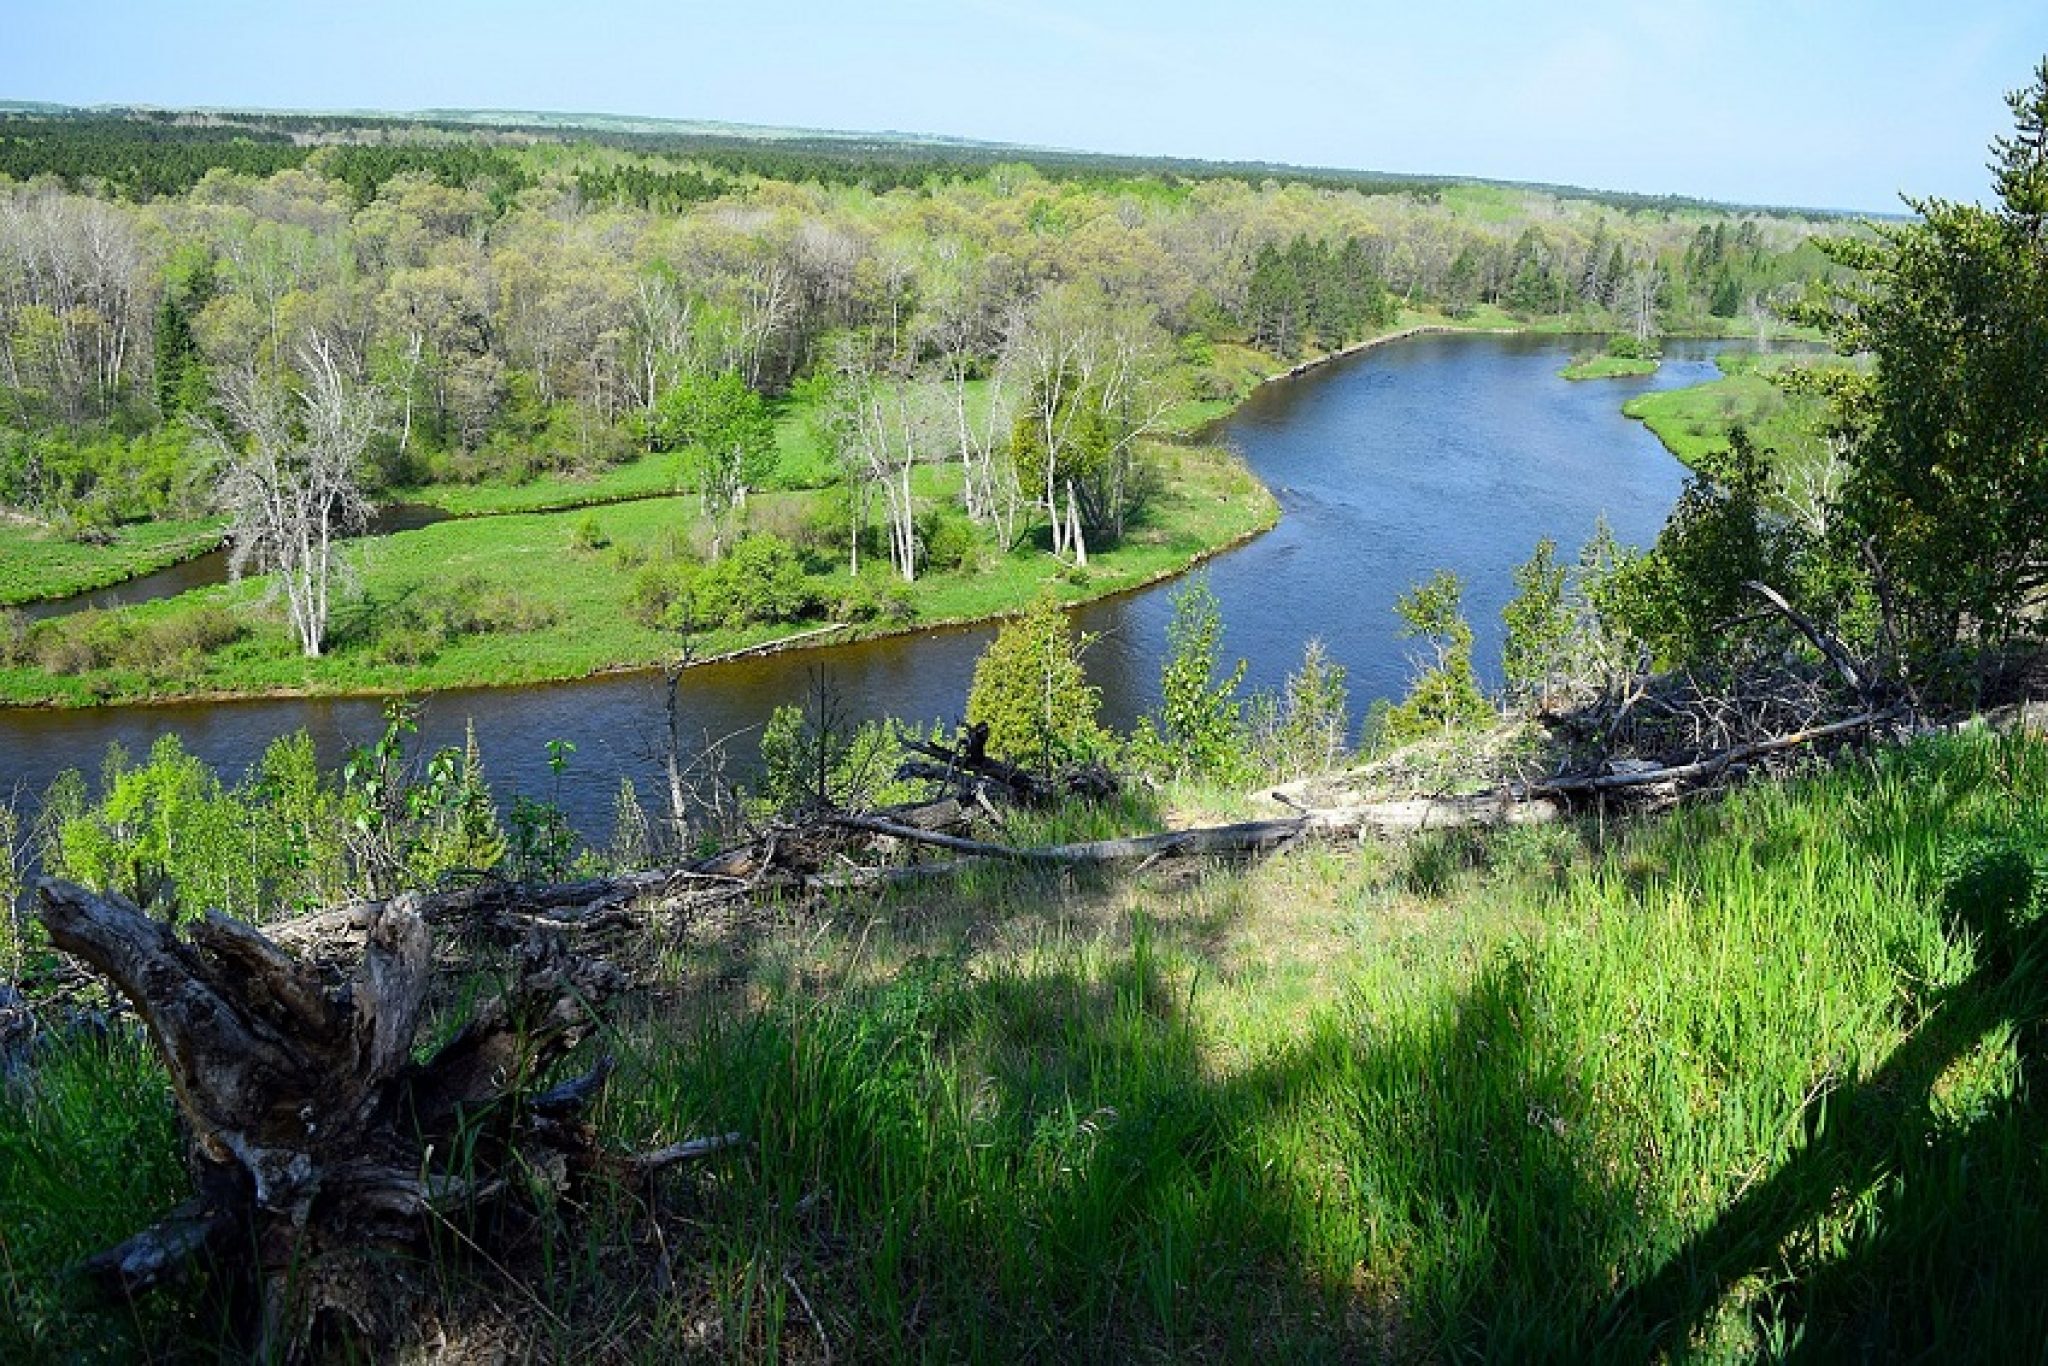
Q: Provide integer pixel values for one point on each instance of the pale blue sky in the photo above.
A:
(1814, 102)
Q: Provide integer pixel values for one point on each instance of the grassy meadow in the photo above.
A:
(36, 563)
(1694, 422)
(1752, 1079)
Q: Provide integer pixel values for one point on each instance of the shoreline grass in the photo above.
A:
(38, 565)
(1608, 367)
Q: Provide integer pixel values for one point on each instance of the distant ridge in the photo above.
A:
(653, 133)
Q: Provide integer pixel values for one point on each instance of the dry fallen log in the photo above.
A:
(1708, 766)
(322, 1152)
(1245, 839)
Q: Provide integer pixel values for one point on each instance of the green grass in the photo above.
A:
(1694, 423)
(1747, 1066)
(801, 462)
(1752, 1080)
(566, 610)
(85, 1152)
(37, 564)
(1607, 367)
(650, 476)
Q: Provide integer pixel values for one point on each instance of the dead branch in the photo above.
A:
(970, 772)
(1709, 766)
(1820, 638)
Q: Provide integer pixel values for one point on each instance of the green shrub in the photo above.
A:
(1200, 728)
(877, 595)
(809, 760)
(1030, 691)
(760, 583)
(417, 626)
(1444, 694)
(14, 638)
(664, 594)
(949, 542)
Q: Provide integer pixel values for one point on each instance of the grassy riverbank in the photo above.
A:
(1748, 1080)
(531, 597)
(37, 563)
(536, 582)
(1694, 423)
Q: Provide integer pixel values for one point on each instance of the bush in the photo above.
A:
(418, 625)
(1200, 728)
(1031, 693)
(14, 639)
(1994, 884)
(664, 595)
(949, 542)
(1305, 731)
(875, 596)
(761, 582)
(811, 757)
(1445, 693)
(589, 535)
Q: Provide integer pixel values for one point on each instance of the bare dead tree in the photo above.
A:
(291, 459)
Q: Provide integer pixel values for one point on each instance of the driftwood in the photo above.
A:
(322, 1152)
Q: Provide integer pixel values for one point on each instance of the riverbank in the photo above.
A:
(1697, 423)
(38, 564)
(517, 599)
(533, 598)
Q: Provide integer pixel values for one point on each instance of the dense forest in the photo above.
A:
(525, 302)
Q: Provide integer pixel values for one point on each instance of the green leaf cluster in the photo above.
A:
(1445, 693)
(1031, 692)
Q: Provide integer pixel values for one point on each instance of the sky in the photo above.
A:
(1817, 103)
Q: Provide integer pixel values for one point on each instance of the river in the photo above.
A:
(1435, 451)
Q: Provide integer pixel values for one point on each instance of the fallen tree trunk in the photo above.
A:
(1242, 839)
(969, 770)
(322, 1151)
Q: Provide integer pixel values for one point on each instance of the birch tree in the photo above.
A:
(290, 455)
(882, 423)
(1088, 394)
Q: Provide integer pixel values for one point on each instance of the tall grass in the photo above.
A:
(1753, 1079)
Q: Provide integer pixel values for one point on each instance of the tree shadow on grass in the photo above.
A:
(1046, 1163)
(1897, 1231)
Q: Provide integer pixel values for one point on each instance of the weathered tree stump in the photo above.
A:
(323, 1153)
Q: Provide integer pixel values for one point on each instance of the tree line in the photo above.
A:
(555, 308)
